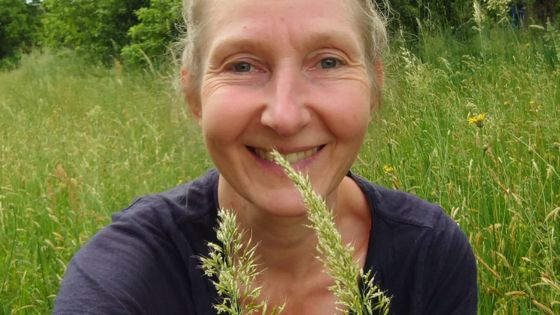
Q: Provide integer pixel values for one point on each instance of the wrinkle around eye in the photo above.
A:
(341, 69)
(341, 57)
(355, 72)
(212, 85)
(216, 81)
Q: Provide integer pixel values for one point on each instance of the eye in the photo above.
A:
(242, 66)
(329, 63)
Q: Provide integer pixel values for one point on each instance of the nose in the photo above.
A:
(286, 112)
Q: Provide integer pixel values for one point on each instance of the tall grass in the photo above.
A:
(500, 178)
(79, 142)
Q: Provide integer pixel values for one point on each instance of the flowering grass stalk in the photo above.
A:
(336, 257)
(232, 265)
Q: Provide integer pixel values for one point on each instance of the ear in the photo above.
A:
(379, 73)
(379, 77)
(191, 94)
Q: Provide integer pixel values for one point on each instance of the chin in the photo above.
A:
(284, 206)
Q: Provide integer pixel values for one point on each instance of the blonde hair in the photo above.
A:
(372, 25)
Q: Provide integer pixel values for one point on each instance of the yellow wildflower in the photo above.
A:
(388, 169)
(534, 106)
(477, 120)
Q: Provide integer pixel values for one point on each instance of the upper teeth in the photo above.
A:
(290, 157)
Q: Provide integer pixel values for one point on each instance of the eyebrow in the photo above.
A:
(238, 43)
(333, 38)
(325, 39)
(231, 45)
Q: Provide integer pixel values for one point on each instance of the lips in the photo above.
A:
(292, 157)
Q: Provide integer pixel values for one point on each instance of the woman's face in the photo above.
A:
(284, 74)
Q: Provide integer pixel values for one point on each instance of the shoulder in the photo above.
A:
(404, 219)
(188, 202)
(401, 208)
(419, 253)
(175, 223)
(150, 250)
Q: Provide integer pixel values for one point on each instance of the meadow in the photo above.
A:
(471, 125)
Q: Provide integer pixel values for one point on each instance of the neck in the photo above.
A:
(286, 244)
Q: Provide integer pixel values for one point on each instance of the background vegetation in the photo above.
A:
(19, 25)
(470, 120)
(138, 32)
(96, 30)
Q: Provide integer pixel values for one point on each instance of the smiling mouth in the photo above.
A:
(292, 158)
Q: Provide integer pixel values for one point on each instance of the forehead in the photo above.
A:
(232, 8)
(268, 19)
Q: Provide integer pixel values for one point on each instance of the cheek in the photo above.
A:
(226, 114)
(349, 111)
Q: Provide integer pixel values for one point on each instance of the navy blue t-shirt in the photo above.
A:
(147, 260)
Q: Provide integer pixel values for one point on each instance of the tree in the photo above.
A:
(152, 36)
(18, 29)
(95, 29)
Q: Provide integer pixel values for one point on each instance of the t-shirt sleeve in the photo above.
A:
(91, 285)
(450, 272)
(121, 269)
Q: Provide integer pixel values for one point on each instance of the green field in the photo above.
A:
(473, 126)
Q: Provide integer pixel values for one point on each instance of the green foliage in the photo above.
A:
(415, 17)
(499, 177)
(18, 28)
(78, 143)
(95, 29)
(140, 32)
(152, 36)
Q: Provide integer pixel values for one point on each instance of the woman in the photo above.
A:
(302, 77)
